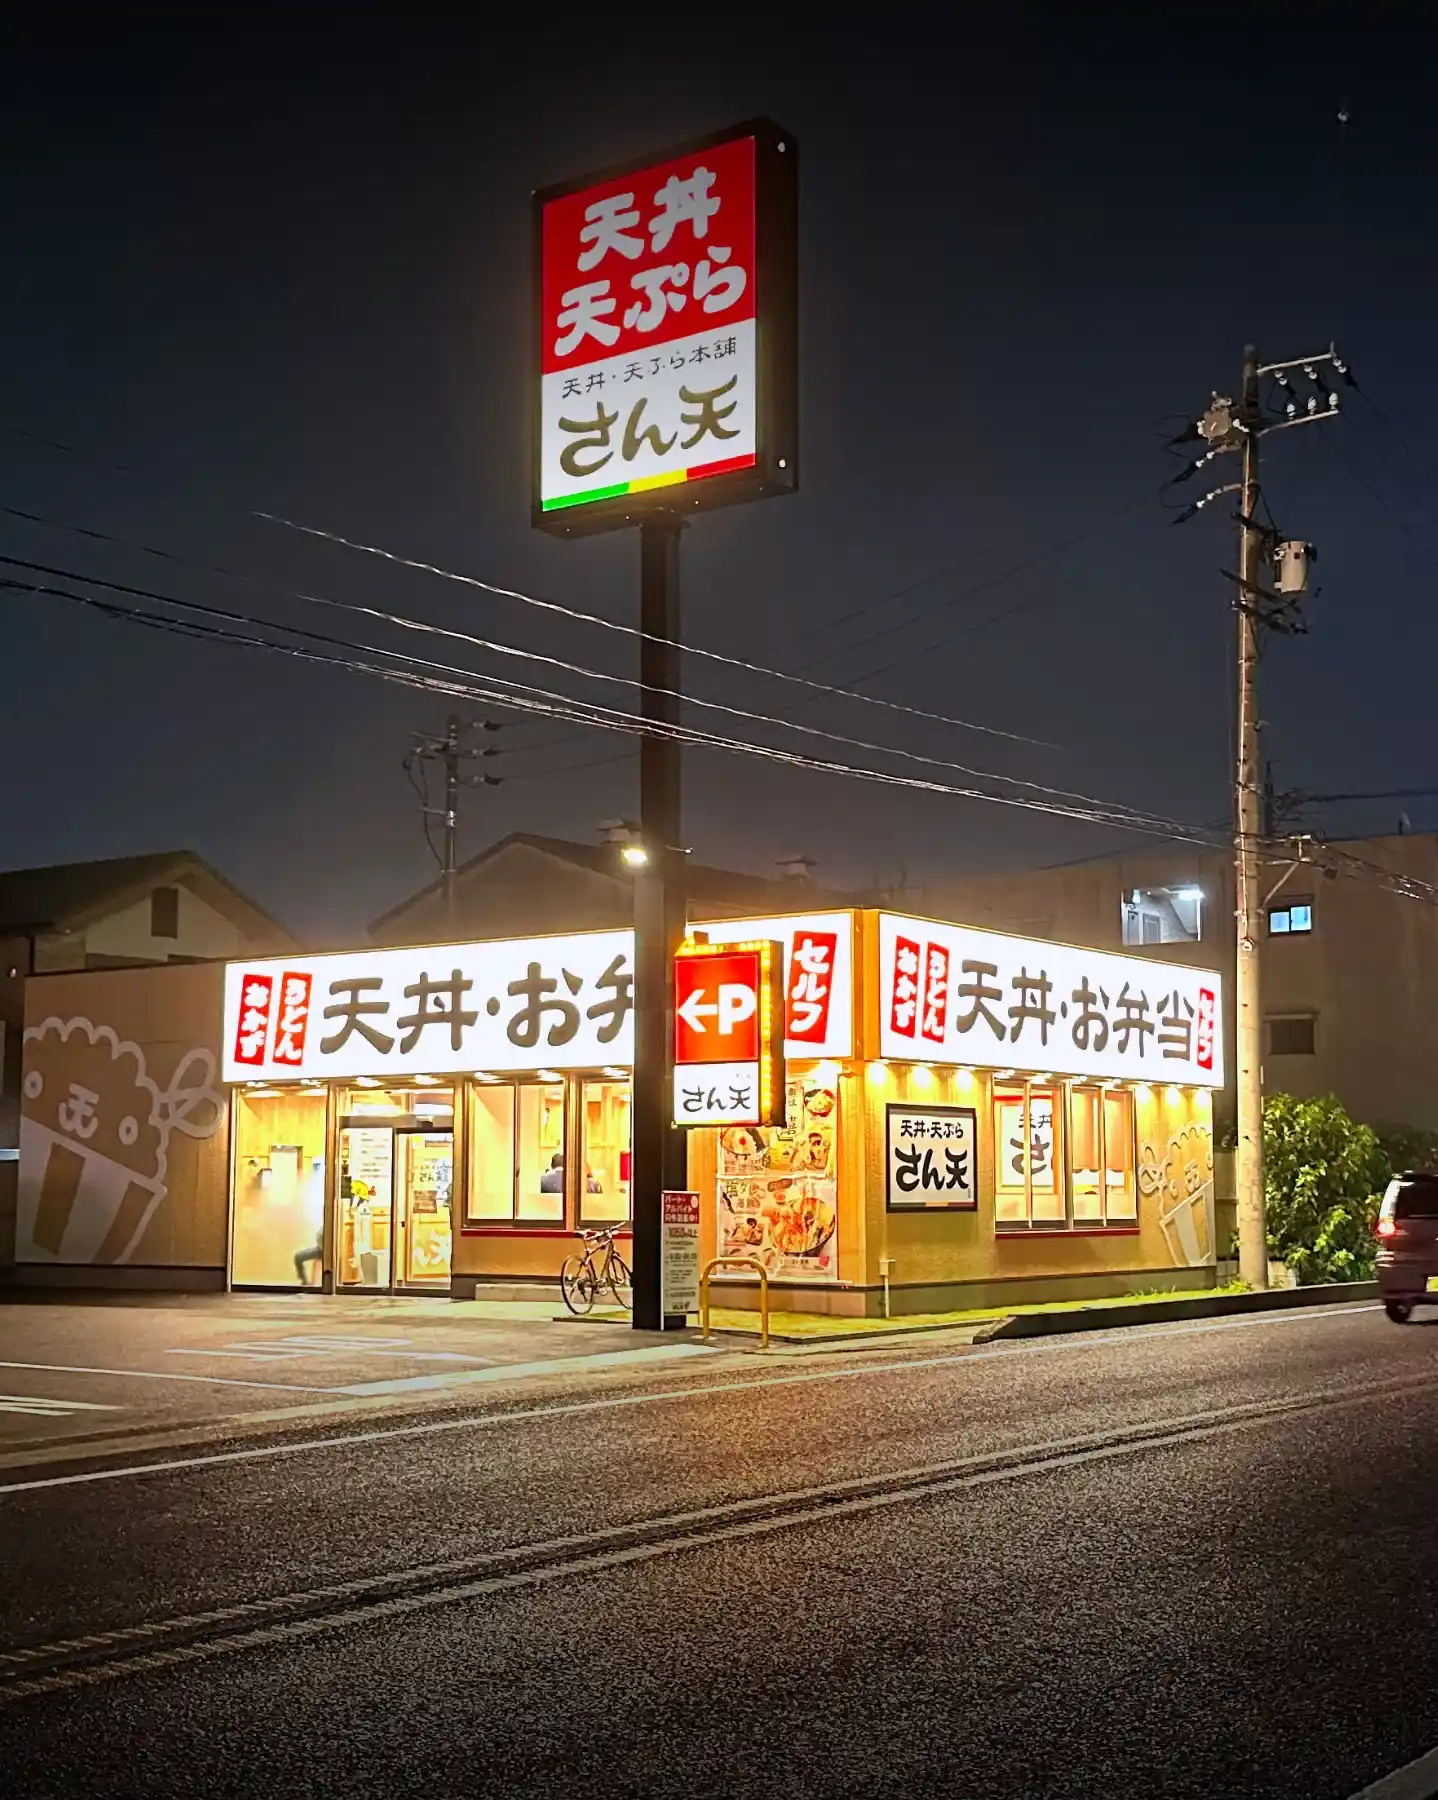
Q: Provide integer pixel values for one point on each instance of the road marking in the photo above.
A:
(724, 1523)
(560, 1365)
(289, 1387)
(47, 1408)
(612, 1402)
(287, 1349)
(1414, 1781)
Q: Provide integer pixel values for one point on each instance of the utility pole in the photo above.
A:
(659, 1148)
(450, 752)
(1248, 826)
(1237, 427)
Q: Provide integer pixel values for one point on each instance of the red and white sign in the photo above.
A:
(716, 1007)
(649, 329)
(955, 994)
(728, 1034)
(293, 1023)
(253, 1001)
(1207, 1026)
(818, 977)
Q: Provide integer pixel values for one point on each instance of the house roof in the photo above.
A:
(69, 896)
(704, 884)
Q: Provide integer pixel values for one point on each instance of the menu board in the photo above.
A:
(779, 1189)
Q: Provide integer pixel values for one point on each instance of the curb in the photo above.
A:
(1157, 1312)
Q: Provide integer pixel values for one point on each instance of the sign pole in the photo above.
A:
(660, 1150)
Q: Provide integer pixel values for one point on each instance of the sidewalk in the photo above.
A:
(986, 1323)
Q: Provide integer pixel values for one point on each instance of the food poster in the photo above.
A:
(779, 1188)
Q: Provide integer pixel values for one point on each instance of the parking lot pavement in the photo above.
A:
(75, 1370)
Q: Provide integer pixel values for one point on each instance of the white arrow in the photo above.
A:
(693, 1012)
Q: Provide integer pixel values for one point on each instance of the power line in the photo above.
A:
(562, 663)
(539, 700)
(488, 587)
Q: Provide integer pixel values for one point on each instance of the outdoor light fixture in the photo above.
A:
(366, 1081)
(426, 1081)
(878, 1074)
(923, 1075)
(826, 1072)
(484, 1075)
(549, 1075)
(964, 1077)
(615, 1074)
(1188, 893)
(634, 855)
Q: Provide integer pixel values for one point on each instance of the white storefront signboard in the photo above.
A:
(955, 994)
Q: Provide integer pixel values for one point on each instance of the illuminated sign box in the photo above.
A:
(665, 333)
(728, 1034)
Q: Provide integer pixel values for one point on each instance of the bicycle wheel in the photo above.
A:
(578, 1285)
(618, 1279)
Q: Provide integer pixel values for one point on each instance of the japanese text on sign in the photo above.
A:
(930, 1154)
(648, 364)
(818, 977)
(560, 1002)
(950, 993)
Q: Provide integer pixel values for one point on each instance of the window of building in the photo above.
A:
(1102, 1189)
(491, 1153)
(604, 1197)
(539, 1198)
(1028, 1156)
(165, 912)
(1163, 915)
(1293, 1036)
(279, 1214)
(1288, 920)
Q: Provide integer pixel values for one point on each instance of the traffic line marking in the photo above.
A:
(289, 1387)
(560, 1365)
(668, 1535)
(525, 1415)
(42, 1406)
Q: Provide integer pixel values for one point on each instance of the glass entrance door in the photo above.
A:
(423, 1193)
(366, 1206)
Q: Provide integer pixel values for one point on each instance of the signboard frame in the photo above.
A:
(965, 1138)
(775, 469)
(769, 1069)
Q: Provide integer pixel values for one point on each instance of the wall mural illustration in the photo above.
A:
(1183, 1184)
(95, 1137)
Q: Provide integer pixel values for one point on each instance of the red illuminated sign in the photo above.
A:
(252, 1026)
(1207, 1027)
(665, 332)
(716, 1007)
(729, 1034)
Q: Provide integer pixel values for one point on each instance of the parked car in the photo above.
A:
(1407, 1233)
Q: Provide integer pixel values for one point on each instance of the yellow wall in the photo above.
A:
(1175, 1173)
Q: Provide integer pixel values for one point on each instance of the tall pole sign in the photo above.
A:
(665, 382)
(729, 1034)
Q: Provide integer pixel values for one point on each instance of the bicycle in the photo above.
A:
(598, 1266)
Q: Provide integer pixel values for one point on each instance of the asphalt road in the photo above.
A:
(1187, 1561)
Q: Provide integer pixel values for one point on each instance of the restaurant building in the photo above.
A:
(971, 1116)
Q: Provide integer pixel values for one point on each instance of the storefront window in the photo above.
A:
(540, 1198)
(604, 1197)
(491, 1152)
(279, 1186)
(1120, 1187)
(1028, 1158)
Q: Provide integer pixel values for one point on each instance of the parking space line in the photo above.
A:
(44, 1407)
(559, 1365)
(290, 1387)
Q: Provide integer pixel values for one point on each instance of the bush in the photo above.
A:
(1323, 1178)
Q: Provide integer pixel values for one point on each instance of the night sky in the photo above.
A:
(280, 260)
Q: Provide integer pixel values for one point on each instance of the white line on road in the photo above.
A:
(45, 1407)
(560, 1365)
(820, 1506)
(289, 1387)
(526, 1415)
(1414, 1781)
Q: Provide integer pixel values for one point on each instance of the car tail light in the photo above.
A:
(1386, 1228)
